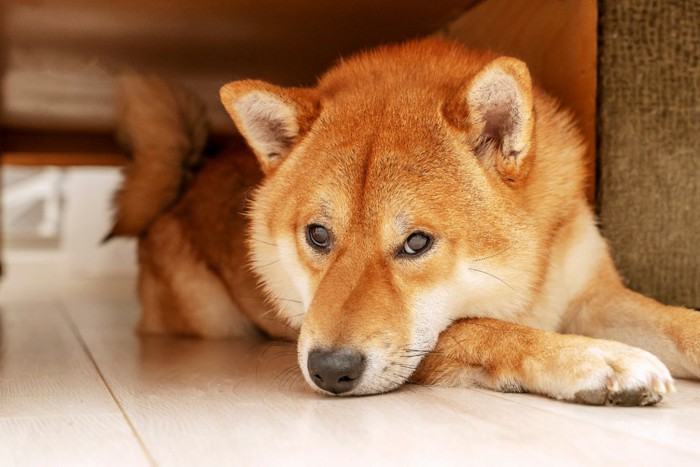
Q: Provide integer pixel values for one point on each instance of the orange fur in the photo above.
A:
(164, 129)
(423, 137)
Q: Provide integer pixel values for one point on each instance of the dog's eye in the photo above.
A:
(318, 237)
(416, 243)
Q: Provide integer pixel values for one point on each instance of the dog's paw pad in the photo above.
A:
(626, 398)
(592, 396)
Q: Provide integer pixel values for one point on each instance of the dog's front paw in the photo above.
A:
(608, 373)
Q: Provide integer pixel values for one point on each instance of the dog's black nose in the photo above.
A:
(336, 370)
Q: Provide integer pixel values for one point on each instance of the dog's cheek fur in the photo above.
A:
(286, 281)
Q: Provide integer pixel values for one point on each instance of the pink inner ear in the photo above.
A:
(268, 123)
(273, 131)
(497, 123)
(498, 100)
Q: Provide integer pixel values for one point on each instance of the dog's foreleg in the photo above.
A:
(608, 310)
(512, 358)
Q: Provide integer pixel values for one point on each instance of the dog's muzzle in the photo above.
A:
(336, 370)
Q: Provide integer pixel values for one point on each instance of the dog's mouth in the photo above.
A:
(352, 372)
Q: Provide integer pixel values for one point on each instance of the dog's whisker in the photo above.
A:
(296, 379)
(263, 354)
(279, 343)
(282, 355)
(279, 375)
(282, 351)
(284, 373)
(407, 349)
(262, 241)
(280, 322)
(271, 298)
(290, 378)
(418, 353)
(271, 316)
(260, 359)
(459, 343)
(286, 300)
(491, 256)
(492, 275)
(268, 264)
(413, 354)
(277, 356)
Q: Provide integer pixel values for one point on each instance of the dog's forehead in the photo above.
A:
(375, 139)
(379, 179)
(385, 157)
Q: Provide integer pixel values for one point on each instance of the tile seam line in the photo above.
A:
(63, 310)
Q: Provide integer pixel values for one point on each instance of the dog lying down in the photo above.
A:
(419, 215)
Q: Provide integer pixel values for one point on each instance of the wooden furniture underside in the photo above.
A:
(58, 58)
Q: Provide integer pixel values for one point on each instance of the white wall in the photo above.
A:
(87, 219)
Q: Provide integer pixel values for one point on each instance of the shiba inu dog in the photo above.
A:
(419, 215)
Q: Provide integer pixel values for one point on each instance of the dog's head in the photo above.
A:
(391, 204)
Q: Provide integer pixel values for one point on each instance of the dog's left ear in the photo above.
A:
(500, 117)
(271, 118)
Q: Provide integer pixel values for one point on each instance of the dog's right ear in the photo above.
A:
(271, 118)
(496, 111)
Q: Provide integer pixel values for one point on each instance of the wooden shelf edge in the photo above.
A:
(21, 158)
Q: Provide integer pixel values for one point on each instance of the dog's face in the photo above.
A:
(390, 206)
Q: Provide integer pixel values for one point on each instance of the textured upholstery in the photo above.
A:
(649, 144)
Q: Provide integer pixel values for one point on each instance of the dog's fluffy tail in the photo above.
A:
(164, 129)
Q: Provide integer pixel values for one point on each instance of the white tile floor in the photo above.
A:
(78, 387)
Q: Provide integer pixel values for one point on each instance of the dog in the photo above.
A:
(417, 216)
